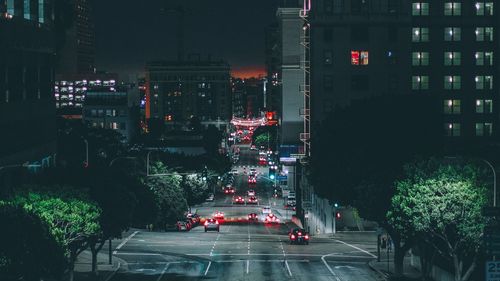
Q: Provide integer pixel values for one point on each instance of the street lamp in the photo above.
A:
(494, 181)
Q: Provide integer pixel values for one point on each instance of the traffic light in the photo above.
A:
(204, 174)
(338, 216)
(272, 173)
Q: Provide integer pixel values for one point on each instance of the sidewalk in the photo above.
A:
(386, 268)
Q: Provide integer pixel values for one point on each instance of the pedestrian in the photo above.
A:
(384, 242)
(389, 244)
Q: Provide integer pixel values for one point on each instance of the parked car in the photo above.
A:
(182, 226)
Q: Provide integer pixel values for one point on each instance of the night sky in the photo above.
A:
(129, 33)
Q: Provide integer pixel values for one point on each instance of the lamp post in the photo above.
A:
(86, 152)
(147, 163)
(494, 181)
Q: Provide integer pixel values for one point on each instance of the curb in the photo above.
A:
(384, 275)
(111, 274)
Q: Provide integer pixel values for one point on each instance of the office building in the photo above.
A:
(77, 56)
(177, 91)
(363, 48)
(248, 97)
(109, 109)
(27, 111)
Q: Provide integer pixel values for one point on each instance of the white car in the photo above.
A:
(251, 192)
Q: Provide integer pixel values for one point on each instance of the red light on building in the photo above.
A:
(269, 115)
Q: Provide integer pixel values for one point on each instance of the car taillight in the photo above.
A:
(306, 237)
(292, 237)
(206, 223)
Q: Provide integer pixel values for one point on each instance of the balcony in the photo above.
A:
(305, 136)
(305, 112)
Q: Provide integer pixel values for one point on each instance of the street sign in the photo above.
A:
(281, 178)
(493, 271)
(491, 211)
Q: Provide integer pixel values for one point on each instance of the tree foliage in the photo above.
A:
(25, 244)
(168, 192)
(196, 189)
(442, 203)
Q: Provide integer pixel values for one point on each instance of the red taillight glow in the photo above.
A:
(306, 237)
(292, 237)
(300, 233)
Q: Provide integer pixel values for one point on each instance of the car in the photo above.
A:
(182, 226)
(234, 171)
(266, 210)
(194, 218)
(253, 217)
(252, 200)
(298, 236)
(229, 190)
(211, 224)
(251, 192)
(253, 171)
(219, 215)
(252, 179)
(239, 200)
(253, 147)
(271, 218)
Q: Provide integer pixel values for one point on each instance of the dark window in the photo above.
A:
(338, 6)
(328, 7)
(356, 6)
(359, 83)
(3, 86)
(392, 34)
(392, 6)
(391, 57)
(327, 35)
(359, 34)
(328, 82)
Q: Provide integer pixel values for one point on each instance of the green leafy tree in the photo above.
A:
(196, 189)
(443, 205)
(25, 246)
(71, 221)
(169, 195)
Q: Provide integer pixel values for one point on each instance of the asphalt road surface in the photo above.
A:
(243, 250)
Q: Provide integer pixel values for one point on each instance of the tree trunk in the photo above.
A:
(399, 256)
(72, 260)
(95, 249)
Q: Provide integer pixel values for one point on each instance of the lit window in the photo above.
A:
(452, 58)
(484, 34)
(484, 106)
(484, 58)
(452, 34)
(484, 129)
(359, 58)
(452, 106)
(452, 129)
(420, 58)
(484, 82)
(420, 83)
(420, 9)
(420, 34)
(452, 9)
(484, 8)
(452, 82)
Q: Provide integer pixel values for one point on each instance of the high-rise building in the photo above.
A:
(248, 97)
(446, 48)
(78, 53)
(27, 110)
(290, 75)
(177, 91)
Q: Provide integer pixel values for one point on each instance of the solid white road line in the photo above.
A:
(248, 266)
(359, 249)
(125, 242)
(288, 268)
(329, 268)
(208, 268)
(163, 272)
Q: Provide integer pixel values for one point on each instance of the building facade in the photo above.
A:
(109, 109)
(70, 91)
(178, 91)
(248, 97)
(27, 111)
(290, 76)
(382, 47)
